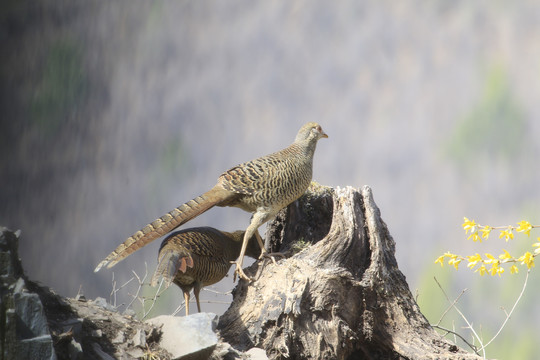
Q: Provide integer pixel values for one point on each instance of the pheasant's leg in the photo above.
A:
(186, 299)
(261, 243)
(238, 271)
(264, 252)
(259, 218)
(196, 291)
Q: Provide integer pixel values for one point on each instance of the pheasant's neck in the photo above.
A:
(305, 148)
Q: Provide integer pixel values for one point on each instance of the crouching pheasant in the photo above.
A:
(198, 257)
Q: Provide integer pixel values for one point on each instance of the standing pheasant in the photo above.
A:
(198, 257)
(262, 186)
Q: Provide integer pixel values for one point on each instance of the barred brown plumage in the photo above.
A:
(262, 186)
(198, 257)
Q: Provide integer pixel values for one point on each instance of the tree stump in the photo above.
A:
(340, 296)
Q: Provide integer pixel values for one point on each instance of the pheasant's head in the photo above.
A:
(310, 131)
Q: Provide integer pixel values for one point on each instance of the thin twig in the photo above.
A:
(454, 328)
(451, 306)
(145, 308)
(511, 311)
(448, 331)
(154, 299)
(112, 296)
(464, 318)
(141, 282)
(180, 307)
(115, 289)
(217, 292)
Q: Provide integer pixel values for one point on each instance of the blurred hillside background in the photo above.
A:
(113, 113)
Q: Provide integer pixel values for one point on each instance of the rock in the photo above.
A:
(257, 354)
(29, 310)
(188, 337)
(39, 347)
(135, 353)
(19, 286)
(119, 338)
(25, 331)
(73, 325)
(102, 355)
(139, 339)
(75, 350)
(10, 264)
(99, 301)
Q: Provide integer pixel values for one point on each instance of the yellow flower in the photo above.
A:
(524, 226)
(469, 225)
(440, 260)
(505, 256)
(482, 270)
(507, 234)
(473, 260)
(485, 232)
(537, 246)
(514, 269)
(475, 237)
(490, 259)
(496, 269)
(454, 261)
(527, 259)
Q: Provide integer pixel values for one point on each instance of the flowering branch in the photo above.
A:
(478, 232)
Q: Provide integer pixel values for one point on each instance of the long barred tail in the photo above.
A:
(164, 225)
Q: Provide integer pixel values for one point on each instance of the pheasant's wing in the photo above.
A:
(255, 175)
(172, 258)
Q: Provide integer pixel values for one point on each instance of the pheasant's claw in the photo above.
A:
(238, 271)
(271, 256)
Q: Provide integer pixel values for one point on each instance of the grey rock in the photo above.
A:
(39, 347)
(135, 353)
(10, 264)
(257, 354)
(129, 312)
(6, 268)
(139, 338)
(74, 325)
(19, 286)
(102, 355)
(120, 338)
(224, 351)
(75, 350)
(80, 297)
(25, 332)
(99, 301)
(30, 312)
(190, 336)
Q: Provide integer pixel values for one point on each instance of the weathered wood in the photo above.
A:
(341, 297)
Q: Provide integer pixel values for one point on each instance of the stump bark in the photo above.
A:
(340, 295)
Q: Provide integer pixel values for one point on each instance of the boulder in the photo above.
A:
(188, 337)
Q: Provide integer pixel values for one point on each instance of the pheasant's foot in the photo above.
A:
(238, 271)
(271, 256)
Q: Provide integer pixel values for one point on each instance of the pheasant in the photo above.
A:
(198, 257)
(262, 186)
